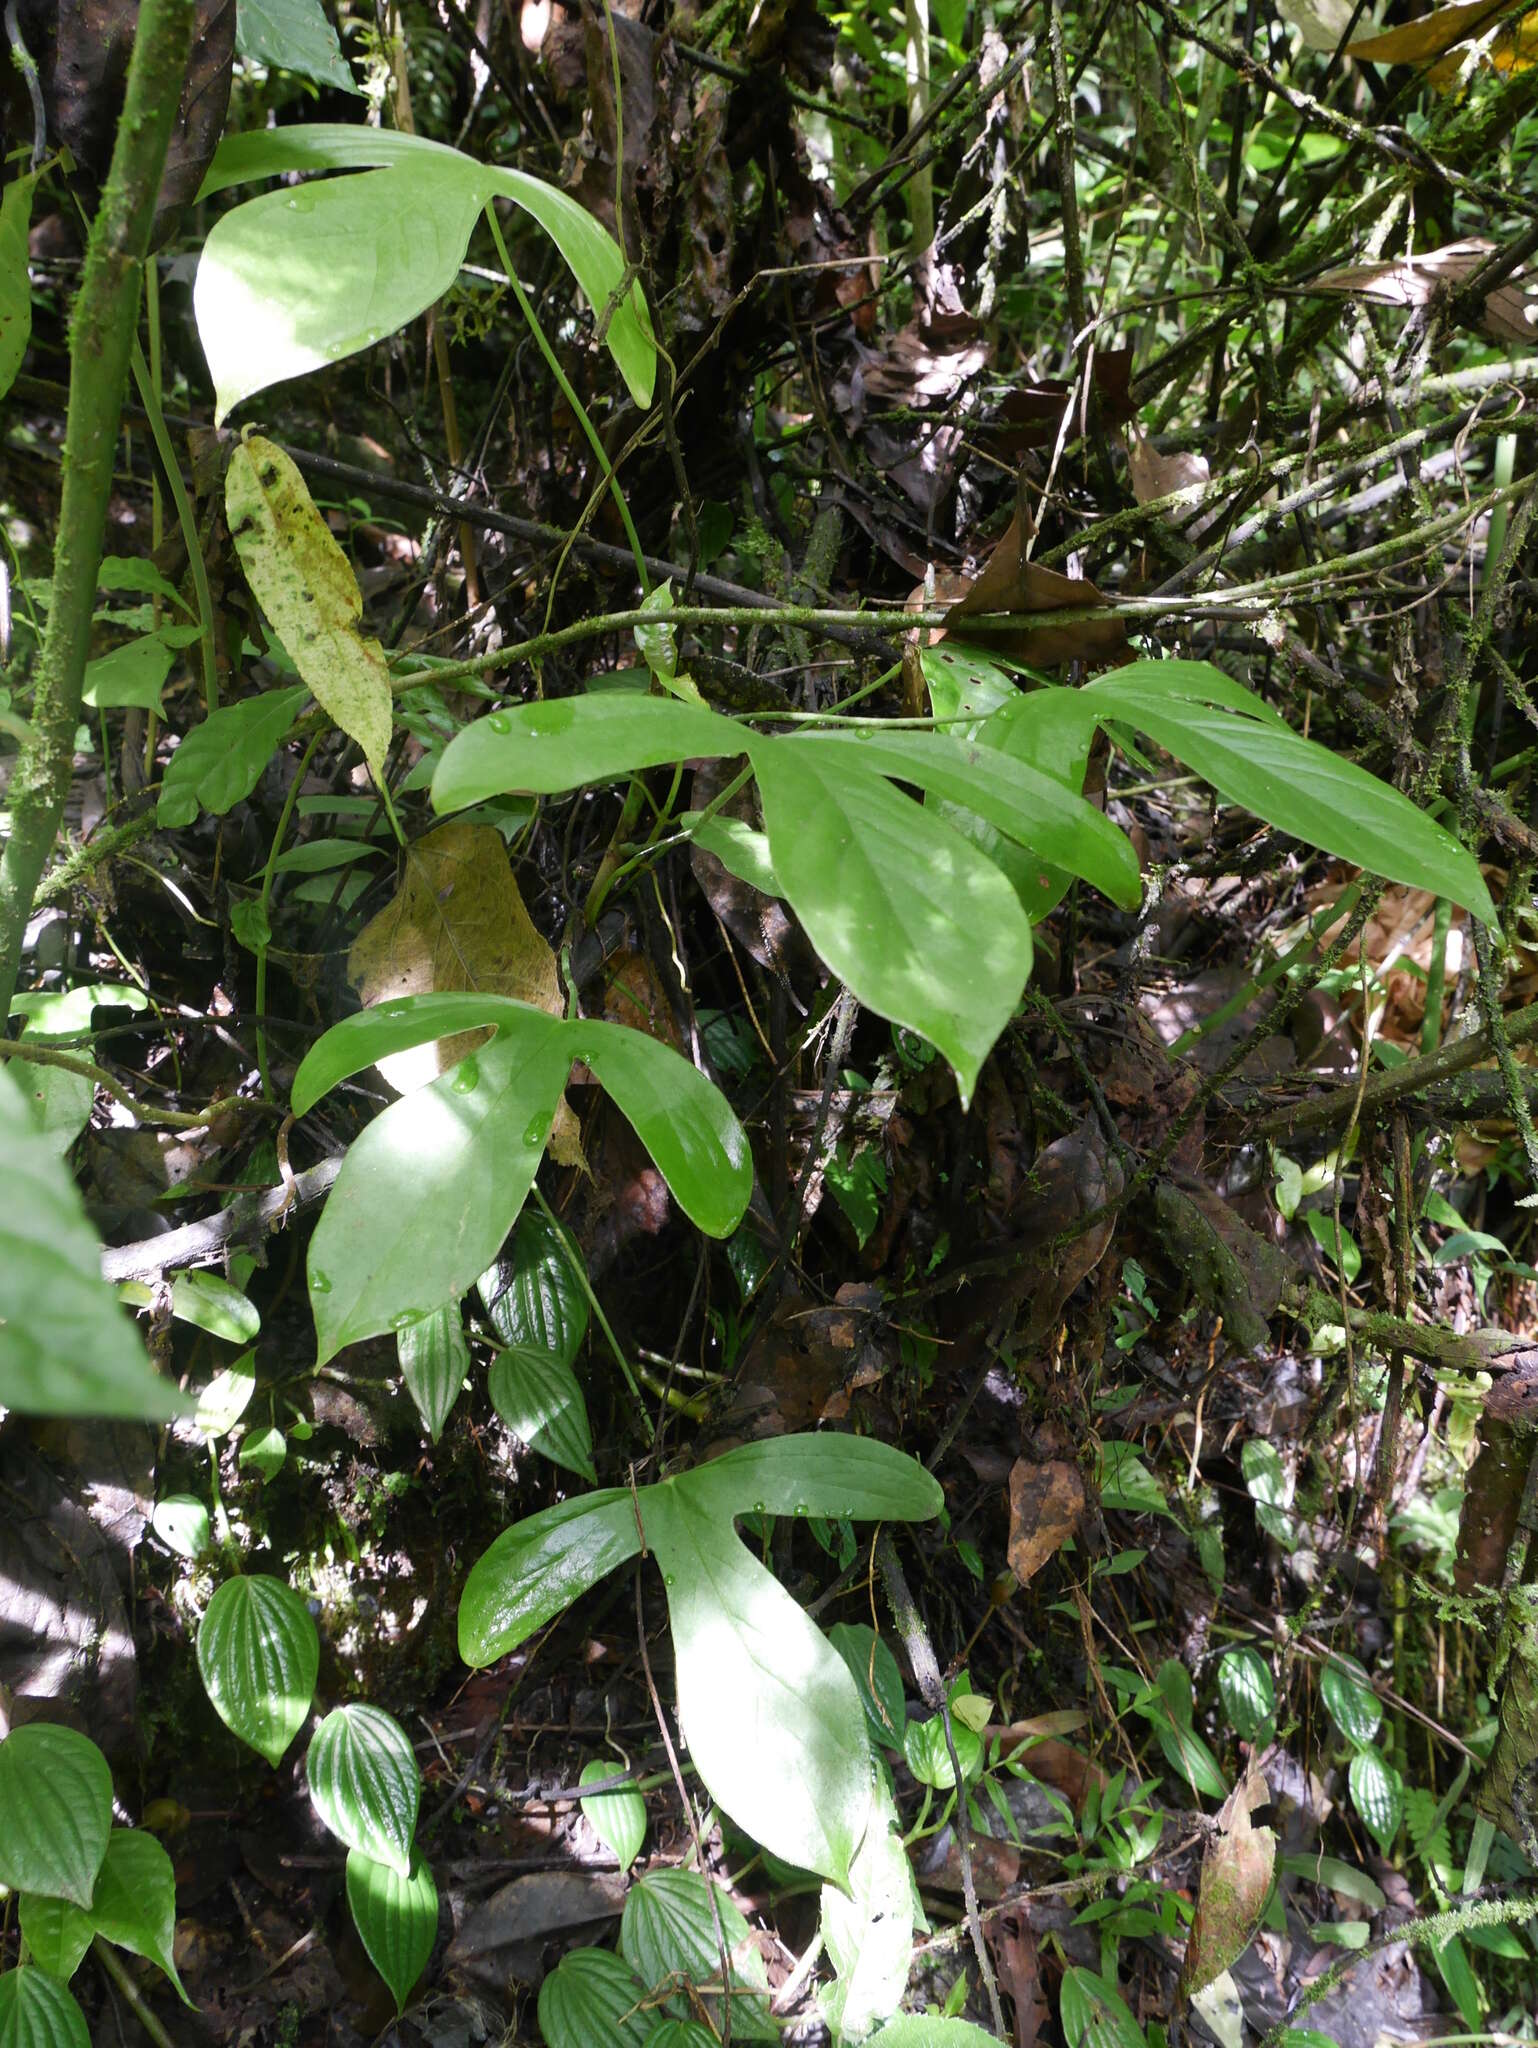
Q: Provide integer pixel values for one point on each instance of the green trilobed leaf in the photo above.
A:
(592, 1999)
(56, 1800)
(434, 1356)
(396, 1918)
(618, 1819)
(668, 1933)
(534, 1298)
(66, 1348)
(57, 1933)
(365, 1783)
(259, 1654)
(539, 1400)
(134, 1904)
(539, 1566)
(220, 761)
(430, 1190)
(308, 274)
(37, 2011)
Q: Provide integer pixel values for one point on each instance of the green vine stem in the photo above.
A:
(102, 330)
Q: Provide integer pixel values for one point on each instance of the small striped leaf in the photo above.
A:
(618, 1819)
(434, 1359)
(397, 1918)
(537, 1396)
(365, 1783)
(259, 1655)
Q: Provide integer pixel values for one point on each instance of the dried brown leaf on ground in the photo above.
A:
(1010, 582)
(1046, 1506)
(1510, 311)
(457, 923)
(1159, 476)
(1236, 1878)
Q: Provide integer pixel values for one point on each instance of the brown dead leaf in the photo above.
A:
(458, 923)
(1019, 1966)
(1157, 476)
(1011, 583)
(1510, 311)
(1033, 413)
(1046, 1506)
(1236, 1878)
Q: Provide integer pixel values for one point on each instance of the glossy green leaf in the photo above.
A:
(1350, 1700)
(305, 275)
(134, 1904)
(259, 1654)
(1377, 1793)
(1309, 791)
(37, 2011)
(534, 1296)
(57, 1934)
(766, 1704)
(434, 1356)
(541, 1565)
(1248, 1696)
(618, 1819)
(430, 1190)
(592, 1999)
(56, 1797)
(868, 1932)
(15, 284)
(928, 1755)
(131, 675)
(539, 1400)
(1015, 798)
(180, 1520)
(226, 1397)
(396, 1918)
(293, 35)
(848, 1478)
(876, 1679)
(66, 1347)
(547, 748)
(920, 926)
(220, 762)
(668, 1933)
(1139, 683)
(216, 1305)
(365, 1783)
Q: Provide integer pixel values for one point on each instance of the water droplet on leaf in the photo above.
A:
(320, 1283)
(466, 1076)
(500, 722)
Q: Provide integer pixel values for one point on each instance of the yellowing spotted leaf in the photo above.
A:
(305, 584)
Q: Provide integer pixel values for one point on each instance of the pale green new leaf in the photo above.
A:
(66, 1348)
(132, 675)
(396, 1918)
(303, 276)
(293, 35)
(134, 1904)
(868, 1932)
(618, 1819)
(37, 2011)
(434, 1356)
(539, 1400)
(56, 1799)
(259, 1655)
(365, 1783)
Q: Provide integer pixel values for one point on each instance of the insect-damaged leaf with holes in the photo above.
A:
(259, 1654)
(429, 1192)
(365, 1783)
(305, 584)
(768, 1708)
(397, 1918)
